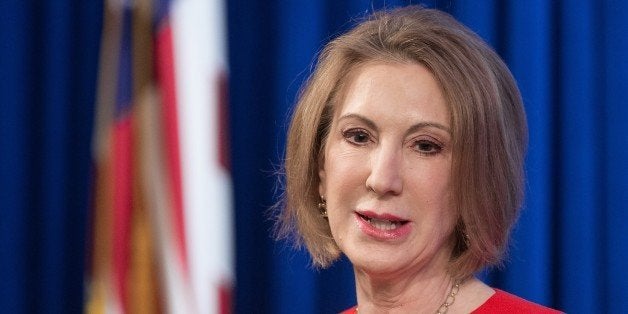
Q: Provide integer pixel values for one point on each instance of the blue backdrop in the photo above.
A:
(48, 63)
(570, 58)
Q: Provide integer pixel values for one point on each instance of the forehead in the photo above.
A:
(405, 91)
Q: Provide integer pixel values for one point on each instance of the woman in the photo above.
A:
(405, 153)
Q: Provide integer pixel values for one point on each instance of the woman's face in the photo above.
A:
(386, 171)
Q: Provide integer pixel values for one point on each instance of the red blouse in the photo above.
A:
(501, 302)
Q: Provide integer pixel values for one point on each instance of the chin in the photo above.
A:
(380, 264)
(385, 260)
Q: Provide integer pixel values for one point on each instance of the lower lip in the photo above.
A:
(370, 230)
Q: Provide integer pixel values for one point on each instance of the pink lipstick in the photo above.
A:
(382, 226)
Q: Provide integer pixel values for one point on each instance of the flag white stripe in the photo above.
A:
(198, 31)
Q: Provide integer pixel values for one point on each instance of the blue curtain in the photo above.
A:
(570, 58)
(48, 62)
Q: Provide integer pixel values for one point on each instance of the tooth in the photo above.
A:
(383, 224)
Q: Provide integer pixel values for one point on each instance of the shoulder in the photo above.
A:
(504, 302)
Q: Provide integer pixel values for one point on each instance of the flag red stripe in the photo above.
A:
(122, 204)
(165, 72)
(225, 298)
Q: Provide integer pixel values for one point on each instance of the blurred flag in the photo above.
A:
(161, 238)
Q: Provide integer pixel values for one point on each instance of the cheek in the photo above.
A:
(445, 211)
(340, 224)
(342, 179)
(433, 188)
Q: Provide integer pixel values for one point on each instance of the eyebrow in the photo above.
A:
(412, 129)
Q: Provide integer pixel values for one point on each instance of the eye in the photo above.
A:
(426, 147)
(357, 136)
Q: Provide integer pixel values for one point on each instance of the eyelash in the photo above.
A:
(350, 135)
(434, 147)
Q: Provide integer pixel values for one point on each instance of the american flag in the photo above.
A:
(161, 238)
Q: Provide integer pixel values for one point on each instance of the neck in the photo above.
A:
(419, 292)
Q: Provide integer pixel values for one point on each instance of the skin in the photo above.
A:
(389, 152)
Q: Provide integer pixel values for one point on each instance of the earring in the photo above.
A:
(467, 239)
(462, 234)
(322, 207)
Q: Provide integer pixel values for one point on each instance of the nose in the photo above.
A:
(385, 177)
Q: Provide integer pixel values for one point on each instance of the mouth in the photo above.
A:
(384, 222)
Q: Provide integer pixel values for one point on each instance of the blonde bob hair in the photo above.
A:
(489, 132)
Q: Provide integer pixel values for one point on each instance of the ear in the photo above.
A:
(322, 176)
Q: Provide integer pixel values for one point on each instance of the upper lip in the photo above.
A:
(381, 216)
